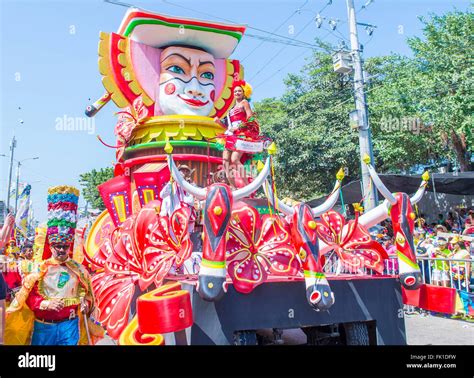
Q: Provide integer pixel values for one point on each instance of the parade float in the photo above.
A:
(229, 263)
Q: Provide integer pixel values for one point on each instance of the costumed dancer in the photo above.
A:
(26, 265)
(18, 265)
(11, 272)
(240, 123)
(62, 285)
(4, 236)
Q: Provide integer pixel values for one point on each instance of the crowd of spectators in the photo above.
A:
(444, 248)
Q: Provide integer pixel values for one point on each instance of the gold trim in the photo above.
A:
(106, 71)
(67, 301)
(176, 127)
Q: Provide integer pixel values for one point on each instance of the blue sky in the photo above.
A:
(48, 66)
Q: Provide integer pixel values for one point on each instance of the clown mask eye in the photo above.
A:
(176, 69)
(208, 75)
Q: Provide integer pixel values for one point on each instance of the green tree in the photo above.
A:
(436, 87)
(89, 182)
(401, 139)
(309, 124)
(445, 62)
(420, 111)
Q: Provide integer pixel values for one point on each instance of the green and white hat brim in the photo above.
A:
(158, 31)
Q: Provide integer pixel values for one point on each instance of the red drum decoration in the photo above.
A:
(166, 309)
(117, 198)
(132, 336)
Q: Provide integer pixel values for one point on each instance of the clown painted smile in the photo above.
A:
(186, 81)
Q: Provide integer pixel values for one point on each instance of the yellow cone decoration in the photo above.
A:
(168, 147)
(272, 149)
(366, 159)
(425, 176)
(358, 207)
(340, 175)
(260, 166)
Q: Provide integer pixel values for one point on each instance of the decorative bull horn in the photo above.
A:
(381, 212)
(378, 182)
(255, 184)
(285, 209)
(200, 193)
(421, 189)
(330, 201)
(197, 192)
(317, 211)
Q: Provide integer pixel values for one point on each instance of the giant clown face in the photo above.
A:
(186, 81)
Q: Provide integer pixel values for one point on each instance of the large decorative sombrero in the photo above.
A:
(62, 214)
(159, 30)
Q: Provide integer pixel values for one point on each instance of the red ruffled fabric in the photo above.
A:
(62, 206)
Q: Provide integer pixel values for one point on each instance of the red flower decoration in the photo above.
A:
(355, 247)
(141, 251)
(257, 247)
(129, 118)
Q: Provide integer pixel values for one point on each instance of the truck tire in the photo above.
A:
(245, 338)
(357, 333)
(322, 335)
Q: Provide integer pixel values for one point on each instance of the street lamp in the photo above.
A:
(18, 178)
(12, 152)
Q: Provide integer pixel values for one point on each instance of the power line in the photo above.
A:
(281, 68)
(275, 30)
(292, 40)
(232, 21)
(288, 43)
(365, 6)
(278, 53)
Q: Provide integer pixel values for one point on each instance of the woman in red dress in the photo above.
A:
(238, 124)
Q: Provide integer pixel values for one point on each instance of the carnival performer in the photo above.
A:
(174, 197)
(12, 250)
(62, 286)
(4, 236)
(26, 264)
(240, 122)
(18, 265)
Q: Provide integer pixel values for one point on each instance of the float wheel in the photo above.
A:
(245, 338)
(357, 333)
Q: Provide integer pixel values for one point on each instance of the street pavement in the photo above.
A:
(420, 330)
(436, 330)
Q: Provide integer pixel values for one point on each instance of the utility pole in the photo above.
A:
(365, 139)
(17, 185)
(12, 151)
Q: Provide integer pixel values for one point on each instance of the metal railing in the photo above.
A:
(455, 273)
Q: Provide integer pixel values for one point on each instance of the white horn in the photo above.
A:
(421, 189)
(329, 203)
(255, 184)
(380, 185)
(197, 192)
(288, 210)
